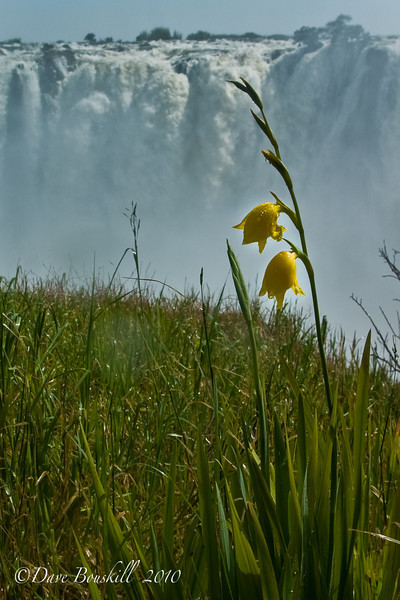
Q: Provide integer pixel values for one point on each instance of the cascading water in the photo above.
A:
(86, 130)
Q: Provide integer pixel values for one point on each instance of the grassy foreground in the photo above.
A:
(130, 432)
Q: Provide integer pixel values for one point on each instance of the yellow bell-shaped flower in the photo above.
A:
(280, 276)
(260, 224)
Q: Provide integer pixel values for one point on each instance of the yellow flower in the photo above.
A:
(260, 224)
(280, 275)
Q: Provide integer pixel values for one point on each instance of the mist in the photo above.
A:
(87, 131)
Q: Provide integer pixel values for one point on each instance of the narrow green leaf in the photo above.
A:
(240, 286)
(361, 413)
(282, 483)
(168, 532)
(306, 566)
(207, 515)
(118, 542)
(248, 571)
(266, 505)
(193, 560)
(294, 386)
(347, 468)
(268, 580)
(244, 302)
(266, 129)
(170, 591)
(391, 553)
(156, 559)
(94, 590)
(239, 85)
(253, 94)
(360, 430)
(279, 166)
(294, 497)
(107, 514)
(301, 439)
(248, 89)
(226, 548)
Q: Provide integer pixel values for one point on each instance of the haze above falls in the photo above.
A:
(87, 130)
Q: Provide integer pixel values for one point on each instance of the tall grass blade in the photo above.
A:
(391, 554)
(94, 590)
(360, 431)
(119, 546)
(207, 515)
(267, 510)
(269, 584)
(248, 571)
(169, 504)
(282, 482)
(229, 583)
(244, 302)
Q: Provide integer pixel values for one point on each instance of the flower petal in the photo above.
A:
(260, 224)
(241, 225)
(280, 276)
(261, 245)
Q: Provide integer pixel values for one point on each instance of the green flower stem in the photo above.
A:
(310, 273)
(273, 139)
(320, 340)
(299, 225)
(276, 162)
(279, 166)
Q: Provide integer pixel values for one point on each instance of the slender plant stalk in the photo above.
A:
(244, 302)
(275, 160)
(310, 273)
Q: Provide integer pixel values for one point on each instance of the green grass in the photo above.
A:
(130, 430)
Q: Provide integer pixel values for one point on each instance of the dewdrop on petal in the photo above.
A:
(280, 276)
(260, 224)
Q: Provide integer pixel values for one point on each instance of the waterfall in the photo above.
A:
(87, 130)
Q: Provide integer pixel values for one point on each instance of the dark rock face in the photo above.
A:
(53, 63)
